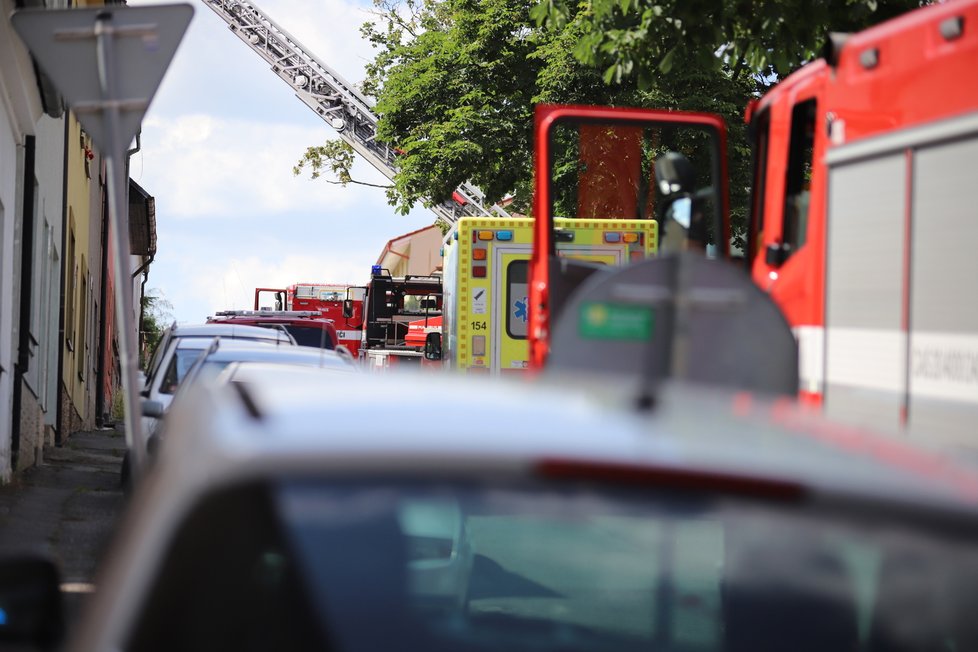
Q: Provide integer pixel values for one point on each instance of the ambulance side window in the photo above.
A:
(798, 179)
(517, 303)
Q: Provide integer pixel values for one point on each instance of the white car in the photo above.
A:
(210, 331)
(176, 351)
(199, 360)
(301, 509)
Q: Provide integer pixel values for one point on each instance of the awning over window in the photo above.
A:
(142, 221)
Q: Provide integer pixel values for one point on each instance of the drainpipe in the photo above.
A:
(144, 268)
(142, 296)
(103, 292)
(26, 289)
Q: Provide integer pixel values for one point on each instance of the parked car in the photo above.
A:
(222, 354)
(298, 509)
(198, 360)
(209, 331)
(176, 351)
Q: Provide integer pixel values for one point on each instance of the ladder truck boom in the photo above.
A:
(333, 99)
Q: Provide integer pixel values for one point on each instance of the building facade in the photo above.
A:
(58, 345)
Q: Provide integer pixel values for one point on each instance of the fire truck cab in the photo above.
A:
(863, 221)
(307, 327)
(391, 306)
(332, 301)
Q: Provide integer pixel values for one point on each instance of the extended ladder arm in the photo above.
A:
(332, 98)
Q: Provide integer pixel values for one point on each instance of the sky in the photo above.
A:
(218, 145)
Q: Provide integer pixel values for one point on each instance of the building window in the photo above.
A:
(82, 321)
(72, 271)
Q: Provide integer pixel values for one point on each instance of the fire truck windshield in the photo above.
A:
(310, 336)
(421, 304)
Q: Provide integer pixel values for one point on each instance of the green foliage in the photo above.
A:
(156, 314)
(456, 80)
(335, 157)
(635, 38)
(455, 84)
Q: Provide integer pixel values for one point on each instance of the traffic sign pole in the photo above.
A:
(119, 237)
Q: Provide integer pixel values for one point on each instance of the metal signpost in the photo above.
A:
(107, 62)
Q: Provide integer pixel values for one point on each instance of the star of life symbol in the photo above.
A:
(521, 312)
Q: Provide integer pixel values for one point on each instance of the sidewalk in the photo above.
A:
(67, 507)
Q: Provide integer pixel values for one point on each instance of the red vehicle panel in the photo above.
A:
(862, 221)
(328, 300)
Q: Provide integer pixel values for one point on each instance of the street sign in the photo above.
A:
(63, 42)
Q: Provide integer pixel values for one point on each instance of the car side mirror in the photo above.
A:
(347, 308)
(675, 174)
(674, 229)
(775, 255)
(31, 607)
(432, 346)
(153, 409)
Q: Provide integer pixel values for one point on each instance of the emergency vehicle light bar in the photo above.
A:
(422, 278)
(269, 313)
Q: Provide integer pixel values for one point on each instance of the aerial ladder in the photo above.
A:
(334, 99)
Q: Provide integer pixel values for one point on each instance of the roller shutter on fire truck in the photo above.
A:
(880, 288)
(901, 324)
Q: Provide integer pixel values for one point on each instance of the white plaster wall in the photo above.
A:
(50, 175)
(20, 109)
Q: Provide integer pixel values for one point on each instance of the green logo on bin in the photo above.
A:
(612, 321)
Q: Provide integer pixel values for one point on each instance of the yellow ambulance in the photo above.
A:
(485, 306)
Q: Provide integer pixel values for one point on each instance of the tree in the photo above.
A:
(154, 314)
(771, 38)
(456, 80)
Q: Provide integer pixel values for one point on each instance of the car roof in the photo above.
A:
(243, 331)
(280, 419)
(301, 355)
(202, 343)
(322, 322)
(275, 422)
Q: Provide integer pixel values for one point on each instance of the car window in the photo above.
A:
(158, 352)
(227, 583)
(568, 567)
(176, 371)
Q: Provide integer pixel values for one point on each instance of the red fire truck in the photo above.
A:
(327, 299)
(400, 312)
(863, 221)
(307, 327)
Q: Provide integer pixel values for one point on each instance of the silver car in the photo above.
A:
(175, 353)
(197, 360)
(296, 508)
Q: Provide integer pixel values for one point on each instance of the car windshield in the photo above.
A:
(310, 336)
(568, 567)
